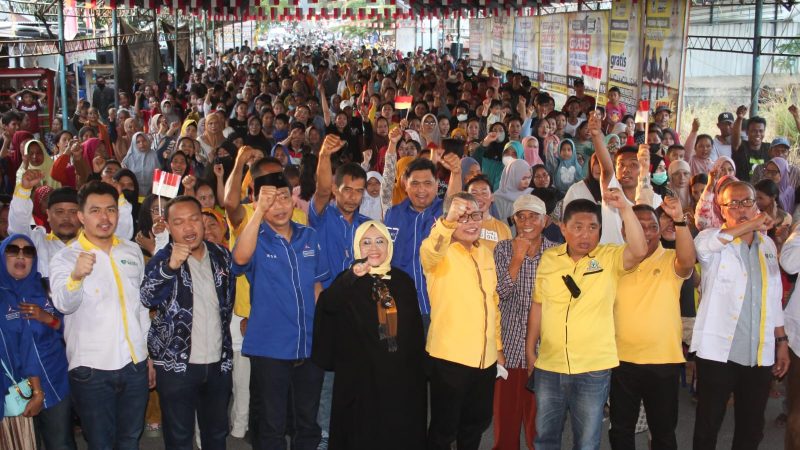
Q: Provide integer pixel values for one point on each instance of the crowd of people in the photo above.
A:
(370, 249)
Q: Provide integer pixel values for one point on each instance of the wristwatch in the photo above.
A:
(780, 339)
(680, 223)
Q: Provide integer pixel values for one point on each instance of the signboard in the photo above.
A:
(588, 44)
(502, 42)
(553, 49)
(526, 47)
(623, 53)
(664, 29)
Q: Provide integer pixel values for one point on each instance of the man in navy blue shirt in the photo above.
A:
(284, 264)
(336, 223)
(410, 221)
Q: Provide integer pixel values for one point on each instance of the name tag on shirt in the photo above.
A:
(308, 252)
(489, 235)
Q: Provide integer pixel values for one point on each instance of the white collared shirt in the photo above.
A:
(102, 329)
(47, 244)
(724, 281)
(790, 261)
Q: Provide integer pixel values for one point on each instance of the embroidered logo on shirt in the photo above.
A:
(594, 266)
(393, 231)
(12, 313)
(126, 262)
(308, 252)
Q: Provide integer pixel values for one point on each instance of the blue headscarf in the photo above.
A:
(28, 287)
(568, 171)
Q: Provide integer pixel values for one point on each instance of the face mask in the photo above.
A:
(291, 108)
(493, 118)
(660, 178)
(501, 136)
(507, 160)
(461, 117)
(131, 196)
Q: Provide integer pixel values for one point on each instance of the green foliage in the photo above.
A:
(789, 64)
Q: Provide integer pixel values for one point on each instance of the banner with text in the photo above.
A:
(553, 53)
(502, 42)
(588, 45)
(664, 31)
(624, 49)
(526, 47)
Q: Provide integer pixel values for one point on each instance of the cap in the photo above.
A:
(272, 179)
(663, 108)
(725, 117)
(346, 104)
(780, 140)
(62, 195)
(529, 203)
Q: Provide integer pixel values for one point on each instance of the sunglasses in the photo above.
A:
(28, 251)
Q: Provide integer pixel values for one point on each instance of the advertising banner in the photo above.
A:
(664, 29)
(502, 42)
(526, 47)
(553, 52)
(623, 53)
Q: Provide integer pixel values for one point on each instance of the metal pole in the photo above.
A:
(213, 36)
(175, 52)
(62, 75)
(205, 39)
(241, 32)
(430, 35)
(755, 80)
(115, 55)
(193, 43)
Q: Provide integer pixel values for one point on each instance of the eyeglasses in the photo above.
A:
(736, 204)
(28, 251)
(771, 172)
(476, 216)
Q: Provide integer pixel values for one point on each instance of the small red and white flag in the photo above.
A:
(591, 77)
(403, 102)
(166, 184)
(643, 112)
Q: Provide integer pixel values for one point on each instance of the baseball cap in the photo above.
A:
(725, 117)
(663, 108)
(530, 203)
(780, 140)
(346, 104)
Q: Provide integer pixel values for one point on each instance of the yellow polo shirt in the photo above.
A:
(465, 307)
(577, 334)
(647, 312)
(241, 304)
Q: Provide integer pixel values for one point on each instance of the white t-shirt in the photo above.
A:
(720, 149)
(612, 221)
(572, 129)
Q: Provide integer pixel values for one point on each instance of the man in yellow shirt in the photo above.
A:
(573, 314)
(492, 230)
(464, 341)
(649, 329)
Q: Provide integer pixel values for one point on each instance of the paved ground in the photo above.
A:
(773, 435)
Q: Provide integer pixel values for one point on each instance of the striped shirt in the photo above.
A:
(515, 300)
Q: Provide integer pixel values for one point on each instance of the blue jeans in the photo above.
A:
(582, 395)
(111, 405)
(286, 389)
(203, 390)
(54, 426)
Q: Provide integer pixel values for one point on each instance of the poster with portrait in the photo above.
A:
(526, 47)
(623, 54)
(479, 35)
(502, 42)
(588, 45)
(664, 34)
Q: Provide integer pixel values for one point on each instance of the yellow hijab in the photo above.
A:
(399, 193)
(45, 167)
(186, 123)
(386, 265)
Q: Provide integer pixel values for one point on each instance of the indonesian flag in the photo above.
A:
(591, 77)
(166, 184)
(403, 102)
(643, 112)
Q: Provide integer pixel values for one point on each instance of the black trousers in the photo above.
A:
(657, 386)
(461, 404)
(715, 383)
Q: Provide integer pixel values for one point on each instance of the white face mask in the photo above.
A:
(461, 117)
(501, 136)
(507, 160)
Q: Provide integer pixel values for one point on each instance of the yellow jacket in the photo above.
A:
(465, 313)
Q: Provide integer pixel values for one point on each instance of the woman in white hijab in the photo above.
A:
(371, 205)
(680, 174)
(514, 182)
(142, 160)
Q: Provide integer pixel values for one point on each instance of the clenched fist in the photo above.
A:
(83, 266)
(180, 252)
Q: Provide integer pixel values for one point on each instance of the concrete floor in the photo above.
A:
(773, 435)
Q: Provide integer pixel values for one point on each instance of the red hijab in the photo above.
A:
(90, 148)
(16, 148)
